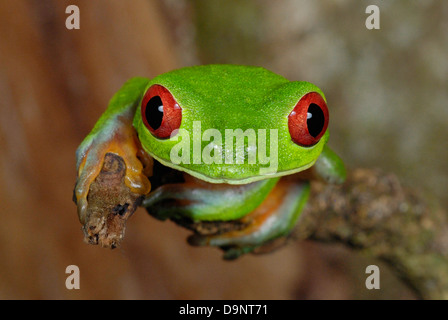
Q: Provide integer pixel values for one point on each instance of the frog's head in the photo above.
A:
(232, 124)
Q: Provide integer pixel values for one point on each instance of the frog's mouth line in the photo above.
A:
(162, 174)
(227, 180)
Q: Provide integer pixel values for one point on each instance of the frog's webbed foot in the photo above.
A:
(273, 219)
(117, 136)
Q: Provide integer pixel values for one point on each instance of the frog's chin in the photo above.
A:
(170, 167)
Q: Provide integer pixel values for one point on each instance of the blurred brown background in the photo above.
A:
(387, 93)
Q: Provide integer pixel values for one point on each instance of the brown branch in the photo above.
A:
(371, 212)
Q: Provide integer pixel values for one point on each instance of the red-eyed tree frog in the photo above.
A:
(228, 142)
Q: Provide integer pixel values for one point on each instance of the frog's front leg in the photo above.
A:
(201, 201)
(277, 214)
(267, 209)
(113, 133)
(274, 218)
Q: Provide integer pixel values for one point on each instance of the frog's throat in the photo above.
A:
(246, 180)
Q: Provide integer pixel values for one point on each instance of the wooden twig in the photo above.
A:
(110, 204)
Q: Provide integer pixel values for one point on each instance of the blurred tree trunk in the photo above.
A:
(54, 84)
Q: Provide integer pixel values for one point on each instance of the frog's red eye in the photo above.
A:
(308, 121)
(161, 114)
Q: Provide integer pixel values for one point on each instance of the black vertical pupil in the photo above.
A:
(315, 120)
(154, 112)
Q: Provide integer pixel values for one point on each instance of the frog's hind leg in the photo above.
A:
(274, 218)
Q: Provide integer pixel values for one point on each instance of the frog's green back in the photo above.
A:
(233, 97)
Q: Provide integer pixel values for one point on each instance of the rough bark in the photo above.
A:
(373, 212)
(111, 204)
